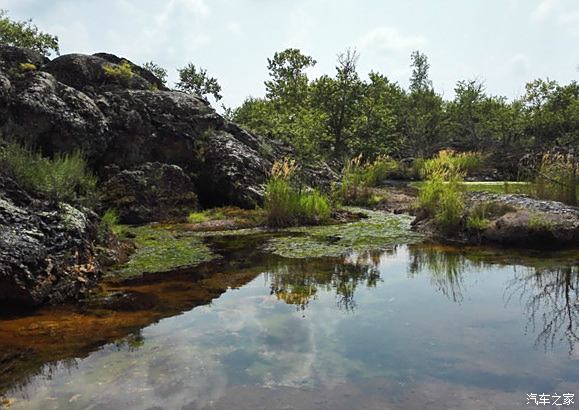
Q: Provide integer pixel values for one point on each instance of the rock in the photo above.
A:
(70, 103)
(46, 251)
(532, 223)
(87, 73)
(54, 117)
(534, 230)
(150, 192)
(12, 57)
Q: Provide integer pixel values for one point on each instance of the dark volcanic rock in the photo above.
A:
(46, 252)
(151, 192)
(71, 103)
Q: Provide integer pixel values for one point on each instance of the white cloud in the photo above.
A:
(390, 39)
(544, 10)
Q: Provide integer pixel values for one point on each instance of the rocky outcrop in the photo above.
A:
(46, 251)
(150, 192)
(532, 223)
(127, 120)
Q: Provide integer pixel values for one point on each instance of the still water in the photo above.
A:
(408, 327)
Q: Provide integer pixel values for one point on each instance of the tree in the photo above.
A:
(289, 82)
(339, 100)
(157, 71)
(194, 80)
(424, 110)
(25, 34)
(419, 82)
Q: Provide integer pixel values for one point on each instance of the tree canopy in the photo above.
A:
(26, 34)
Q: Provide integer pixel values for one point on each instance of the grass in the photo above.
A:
(65, 177)
(442, 194)
(241, 217)
(558, 178)
(110, 219)
(453, 162)
(358, 177)
(288, 205)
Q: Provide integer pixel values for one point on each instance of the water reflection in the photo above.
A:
(551, 300)
(299, 283)
(550, 296)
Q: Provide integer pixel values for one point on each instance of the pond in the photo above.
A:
(398, 326)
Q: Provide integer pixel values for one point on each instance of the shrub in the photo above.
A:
(557, 177)
(62, 178)
(287, 205)
(27, 67)
(442, 195)
(122, 72)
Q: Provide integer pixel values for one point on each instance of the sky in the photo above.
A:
(504, 43)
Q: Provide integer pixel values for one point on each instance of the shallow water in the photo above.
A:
(403, 327)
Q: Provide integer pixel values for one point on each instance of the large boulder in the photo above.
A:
(150, 192)
(46, 250)
(72, 103)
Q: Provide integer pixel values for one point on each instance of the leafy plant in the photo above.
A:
(25, 34)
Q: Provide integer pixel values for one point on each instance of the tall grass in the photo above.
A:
(442, 195)
(358, 176)
(62, 178)
(452, 161)
(557, 177)
(287, 204)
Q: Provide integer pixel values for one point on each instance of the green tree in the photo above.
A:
(289, 82)
(552, 113)
(25, 34)
(423, 112)
(157, 71)
(195, 80)
(339, 98)
(378, 125)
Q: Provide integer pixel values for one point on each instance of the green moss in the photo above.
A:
(380, 230)
(162, 250)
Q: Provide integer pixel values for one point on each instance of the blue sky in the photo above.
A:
(504, 43)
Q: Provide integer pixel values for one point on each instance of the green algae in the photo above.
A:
(378, 231)
(161, 249)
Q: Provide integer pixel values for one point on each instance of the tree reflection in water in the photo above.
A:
(550, 296)
(298, 283)
(551, 300)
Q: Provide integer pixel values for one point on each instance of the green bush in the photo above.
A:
(287, 205)
(442, 195)
(62, 178)
(122, 72)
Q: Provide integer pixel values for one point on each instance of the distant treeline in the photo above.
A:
(345, 115)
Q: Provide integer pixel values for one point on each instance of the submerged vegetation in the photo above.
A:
(161, 249)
